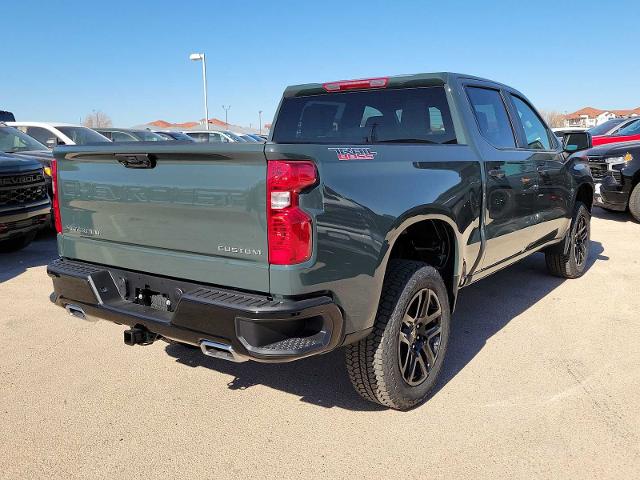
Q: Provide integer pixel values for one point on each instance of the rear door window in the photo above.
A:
(408, 115)
(491, 115)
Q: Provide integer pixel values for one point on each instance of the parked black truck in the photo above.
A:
(19, 144)
(24, 203)
(616, 171)
(372, 204)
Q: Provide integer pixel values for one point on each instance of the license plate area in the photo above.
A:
(156, 300)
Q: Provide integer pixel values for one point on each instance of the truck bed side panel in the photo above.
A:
(363, 205)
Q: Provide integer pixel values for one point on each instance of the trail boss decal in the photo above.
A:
(353, 153)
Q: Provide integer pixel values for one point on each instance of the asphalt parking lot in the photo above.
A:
(542, 381)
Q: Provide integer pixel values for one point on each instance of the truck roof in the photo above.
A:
(397, 81)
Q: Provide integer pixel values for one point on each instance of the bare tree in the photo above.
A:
(553, 118)
(97, 119)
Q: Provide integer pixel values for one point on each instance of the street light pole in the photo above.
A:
(260, 120)
(201, 57)
(226, 114)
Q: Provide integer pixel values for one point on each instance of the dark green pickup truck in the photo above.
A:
(373, 202)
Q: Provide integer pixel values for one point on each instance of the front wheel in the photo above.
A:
(573, 263)
(399, 362)
(634, 203)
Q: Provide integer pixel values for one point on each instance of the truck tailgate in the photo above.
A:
(194, 212)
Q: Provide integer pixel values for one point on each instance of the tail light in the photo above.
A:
(56, 197)
(289, 228)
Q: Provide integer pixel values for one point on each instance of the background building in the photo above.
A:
(590, 117)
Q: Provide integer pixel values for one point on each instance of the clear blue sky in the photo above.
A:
(62, 59)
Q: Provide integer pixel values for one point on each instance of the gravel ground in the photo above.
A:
(542, 381)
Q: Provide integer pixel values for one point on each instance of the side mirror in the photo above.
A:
(51, 142)
(576, 141)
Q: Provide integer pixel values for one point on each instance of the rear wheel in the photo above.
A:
(573, 263)
(399, 362)
(634, 202)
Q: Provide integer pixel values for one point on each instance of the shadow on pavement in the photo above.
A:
(320, 380)
(323, 380)
(500, 298)
(40, 252)
(623, 217)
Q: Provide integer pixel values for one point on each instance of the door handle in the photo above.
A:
(136, 160)
(497, 173)
(543, 171)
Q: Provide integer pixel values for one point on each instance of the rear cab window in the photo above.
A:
(405, 115)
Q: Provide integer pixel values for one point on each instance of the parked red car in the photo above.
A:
(629, 132)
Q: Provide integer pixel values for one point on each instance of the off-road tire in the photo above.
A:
(17, 243)
(566, 265)
(634, 203)
(373, 363)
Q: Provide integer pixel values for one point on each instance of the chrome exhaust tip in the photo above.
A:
(78, 312)
(220, 350)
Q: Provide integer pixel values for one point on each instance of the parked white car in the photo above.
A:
(52, 134)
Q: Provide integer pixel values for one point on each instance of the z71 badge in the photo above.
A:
(354, 153)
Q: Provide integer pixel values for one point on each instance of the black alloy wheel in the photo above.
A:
(420, 334)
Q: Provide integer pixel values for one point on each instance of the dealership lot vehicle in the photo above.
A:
(24, 203)
(616, 171)
(213, 136)
(174, 135)
(129, 135)
(627, 131)
(249, 138)
(560, 131)
(357, 224)
(235, 136)
(257, 138)
(610, 127)
(52, 134)
(21, 145)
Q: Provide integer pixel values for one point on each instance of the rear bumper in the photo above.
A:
(247, 325)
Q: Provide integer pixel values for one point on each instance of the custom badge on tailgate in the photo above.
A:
(354, 153)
